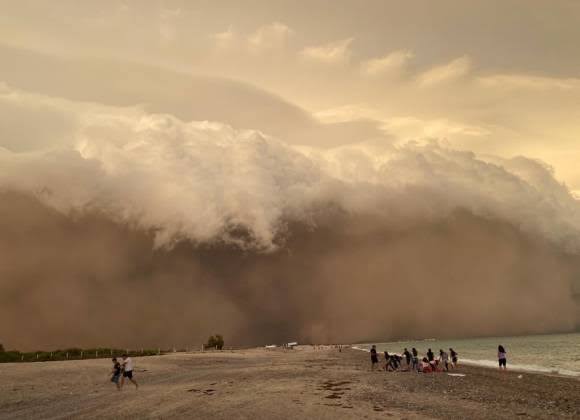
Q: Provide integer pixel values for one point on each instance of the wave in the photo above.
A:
(523, 367)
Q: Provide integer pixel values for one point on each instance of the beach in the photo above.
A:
(302, 383)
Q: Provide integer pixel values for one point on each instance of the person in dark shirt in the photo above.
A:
(374, 357)
(116, 373)
(430, 355)
(407, 355)
(415, 359)
(453, 355)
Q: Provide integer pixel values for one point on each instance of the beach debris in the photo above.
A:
(457, 374)
(520, 376)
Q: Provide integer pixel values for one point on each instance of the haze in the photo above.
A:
(317, 171)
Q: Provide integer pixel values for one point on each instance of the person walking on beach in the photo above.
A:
(444, 359)
(116, 373)
(128, 371)
(430, 356)
(374, 357)
(453, 355)
(502, 357)
(415, 359)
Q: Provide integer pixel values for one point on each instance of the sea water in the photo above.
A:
(551, 353)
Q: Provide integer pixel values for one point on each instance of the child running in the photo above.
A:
(128, 371)
(116, 373)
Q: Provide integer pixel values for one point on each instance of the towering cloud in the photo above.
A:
(143, 229)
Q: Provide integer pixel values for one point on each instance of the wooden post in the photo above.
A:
(96, 354)
(36, 356)
(81, 354)
(67, 354)
(22, 358)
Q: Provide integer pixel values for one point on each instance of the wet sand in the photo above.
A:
(277, 384)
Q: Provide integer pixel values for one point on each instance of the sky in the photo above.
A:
(262, 168)
(494, 77)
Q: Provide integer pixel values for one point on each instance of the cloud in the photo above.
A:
(224, 40)
(451, 71)
(391, 63)
(333, 53)
(529, 82)
(168, 24)
(269, 37)
(197, 179)
(234, 229)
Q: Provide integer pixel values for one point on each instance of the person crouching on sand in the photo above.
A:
(502, 357)
(116, 373)
(128, 371)
(426, 366)
(374, 357)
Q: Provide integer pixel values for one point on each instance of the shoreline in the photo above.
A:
(492, 364)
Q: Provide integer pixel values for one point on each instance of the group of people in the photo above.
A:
(428, 364)
(122, 370)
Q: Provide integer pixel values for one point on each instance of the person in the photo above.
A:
(415, 359)
(426, 367)
(128, 371)
(502, 357)
(392, 362)
(454, 355)
(374, 357)
(444, 359)
(116, 373)
(430, 356)
(407, 355)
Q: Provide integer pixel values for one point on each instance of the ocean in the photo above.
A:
(550, 353)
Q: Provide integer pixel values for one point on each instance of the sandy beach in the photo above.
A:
(259, 383)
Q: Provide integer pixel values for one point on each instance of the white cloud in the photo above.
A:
(333, 53)
(224, 40)
(453, 70)
(272, 36)
(522, 81)
(393, 62)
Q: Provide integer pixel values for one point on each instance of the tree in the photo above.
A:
(216, 341)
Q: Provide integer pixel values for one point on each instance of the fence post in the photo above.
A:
(81, 354)
(36, 356)
(51, 355)
(67, 354)
(22, 358)
(96, 354)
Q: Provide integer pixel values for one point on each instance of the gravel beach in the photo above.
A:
(278, 384)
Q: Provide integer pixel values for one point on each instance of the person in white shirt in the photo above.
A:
(128, 371)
